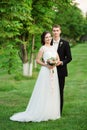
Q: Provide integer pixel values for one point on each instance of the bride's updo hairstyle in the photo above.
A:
(43, 37)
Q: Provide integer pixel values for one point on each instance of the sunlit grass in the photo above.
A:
(15, 91)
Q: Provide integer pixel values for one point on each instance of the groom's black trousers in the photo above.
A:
(61, 85)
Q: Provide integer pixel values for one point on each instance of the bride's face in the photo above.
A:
(48, 38)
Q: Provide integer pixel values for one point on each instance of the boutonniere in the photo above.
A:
(61, 44)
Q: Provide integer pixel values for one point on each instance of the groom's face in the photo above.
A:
(56, 32)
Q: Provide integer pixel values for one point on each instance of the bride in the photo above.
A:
(44, 103)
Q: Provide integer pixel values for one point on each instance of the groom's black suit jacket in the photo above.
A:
(65, 56)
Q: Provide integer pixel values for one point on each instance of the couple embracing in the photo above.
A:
(46, 102)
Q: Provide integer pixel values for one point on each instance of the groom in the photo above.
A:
(63, 49)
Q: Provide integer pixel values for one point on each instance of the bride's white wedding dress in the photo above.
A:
(44, 103)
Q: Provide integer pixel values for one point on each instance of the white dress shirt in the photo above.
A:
(56, 44)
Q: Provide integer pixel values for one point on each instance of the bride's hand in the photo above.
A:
(59, 63)
(49, 66)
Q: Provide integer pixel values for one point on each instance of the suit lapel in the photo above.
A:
(59, 44)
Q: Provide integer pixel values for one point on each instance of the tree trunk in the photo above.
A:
(24, 57)
(30, 69)
(26, 69)
(10, 63)
(35, 64)
(31, 56)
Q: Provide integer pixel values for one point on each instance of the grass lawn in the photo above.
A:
(15, 94)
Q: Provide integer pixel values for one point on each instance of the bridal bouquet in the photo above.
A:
(52, 61)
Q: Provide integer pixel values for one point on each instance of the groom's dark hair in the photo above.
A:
(43, 37)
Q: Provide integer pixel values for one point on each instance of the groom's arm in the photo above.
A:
(68, 56)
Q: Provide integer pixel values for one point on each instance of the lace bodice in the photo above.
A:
(48, 52)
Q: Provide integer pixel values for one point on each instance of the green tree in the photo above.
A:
(15, 22)
(70, 17)
(43, 15)
(23, 21)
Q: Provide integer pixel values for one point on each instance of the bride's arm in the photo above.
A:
(39, 58)
(59, 62)
(40, 62)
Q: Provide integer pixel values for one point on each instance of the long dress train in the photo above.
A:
(44, 103)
